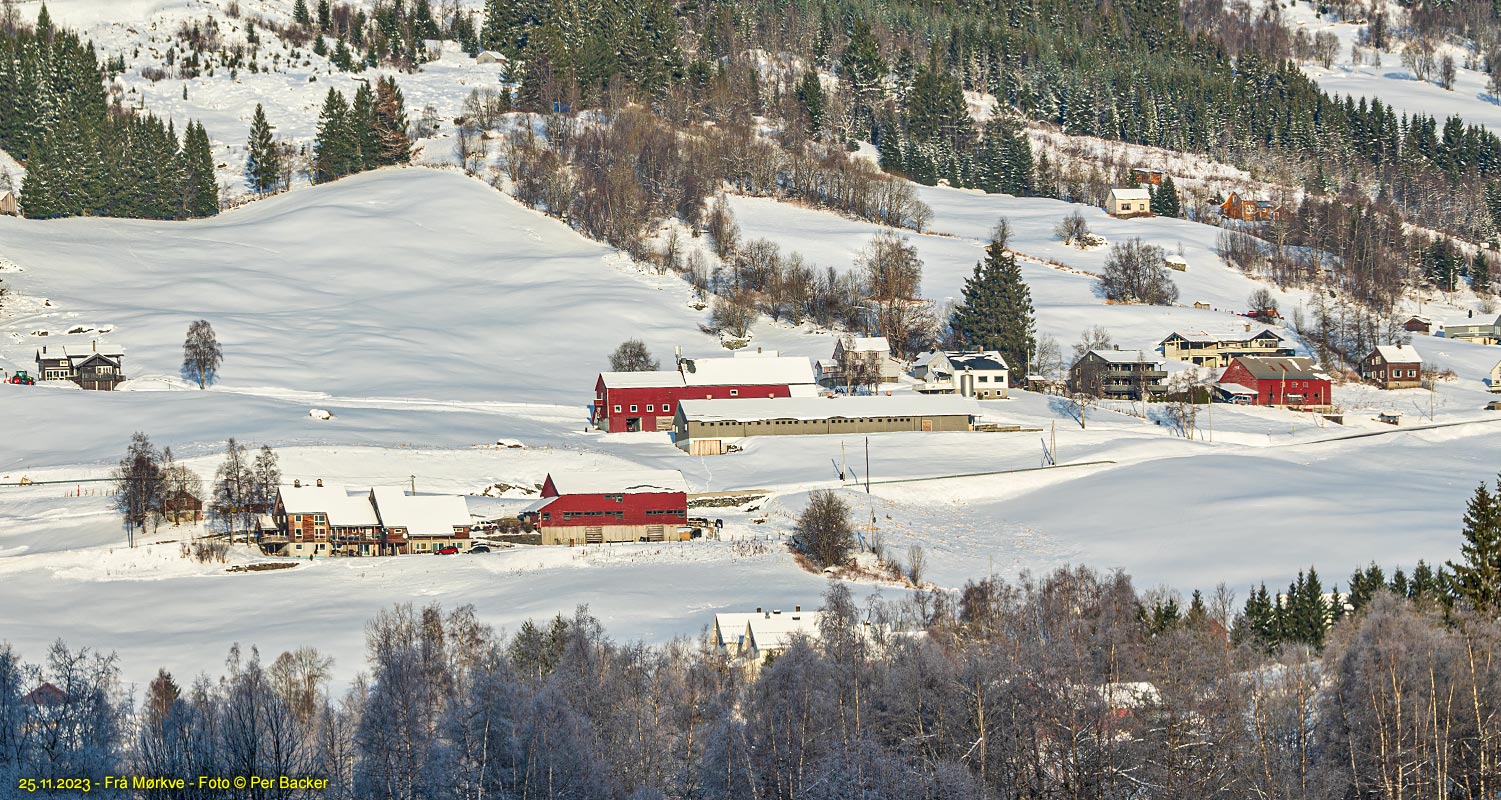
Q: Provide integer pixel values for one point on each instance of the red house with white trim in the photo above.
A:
(626, 402)
(598, 507)
(1292, 382)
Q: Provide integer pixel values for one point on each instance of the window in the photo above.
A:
(633, 409)
(984, 379)
(648, 408)
(734, 393)
(298, 518)
(617, 409)
(666, 407)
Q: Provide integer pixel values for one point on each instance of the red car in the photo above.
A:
(447, 550)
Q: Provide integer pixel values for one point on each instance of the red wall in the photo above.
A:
(632, 508)
(1267, 388)
(605, 401)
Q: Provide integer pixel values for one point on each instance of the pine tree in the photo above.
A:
(996, 311)
(1480, 273)
(810, 95)
(864, 68)
(200, 187)
(1165, 201)
(336, 152)
(395, 146)
(262, 162)
(1477, 578)
(325, 16)
(362, 122)
(300, 13)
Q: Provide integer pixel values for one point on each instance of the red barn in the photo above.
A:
(597, 507)
(1294, 382)
(647, 401)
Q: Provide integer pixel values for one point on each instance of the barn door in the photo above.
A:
(927, 425)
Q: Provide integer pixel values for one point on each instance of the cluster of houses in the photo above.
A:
(708, 404)
(317, 520)
(91, 367)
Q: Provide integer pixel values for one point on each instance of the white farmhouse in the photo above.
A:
(1129, 203)
(982, 374)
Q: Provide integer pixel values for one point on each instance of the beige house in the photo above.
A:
(1496, 377)
(1129, 203)
(490, 57)
(1219, 348)
(707, 427)
(750, 640)
(858, 360)
(10, 205)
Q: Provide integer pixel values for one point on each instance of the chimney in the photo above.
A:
(1248, 327)
(44, 349)
(758, 609)
(798, 609)
(297, 483)
(94, 345)
(320, 483)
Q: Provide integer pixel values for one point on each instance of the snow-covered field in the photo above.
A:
(436, 317)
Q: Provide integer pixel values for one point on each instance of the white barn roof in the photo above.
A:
(764, 371)
(641, 380)
(421, 515)
(636, 481)
(1399, 354)
(809, 408)
(1130, 194)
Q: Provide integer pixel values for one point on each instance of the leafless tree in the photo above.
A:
(824, 529)
(1135, 273)
(893, 279)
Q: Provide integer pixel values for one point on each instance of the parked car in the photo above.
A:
(479, 548)
(447, 550)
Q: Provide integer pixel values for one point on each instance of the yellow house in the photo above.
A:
(1129, 203)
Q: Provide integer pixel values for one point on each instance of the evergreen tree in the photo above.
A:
(865, 70)
(300, 13)
(362, 121)
(1258, 620)
(200, 187)
(325, 16)
(262, 162)
(1476, 579)
(996, 311)
(1480, 273)
(336, 152)
(390, 124)
(1165, 201)
(810, 96)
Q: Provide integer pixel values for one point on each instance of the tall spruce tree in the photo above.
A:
(1477, 577)
(390, 124)
(1165, 201)
(996, 311)
(262, 162)
(362, 122)
(336, 152)
(200, 187)
(300, 13)
(810, 96)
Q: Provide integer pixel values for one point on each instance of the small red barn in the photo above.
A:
(1293, 382)
(598, 507)
(626, 402)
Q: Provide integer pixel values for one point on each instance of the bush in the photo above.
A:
(1135, 273)
(824, 529)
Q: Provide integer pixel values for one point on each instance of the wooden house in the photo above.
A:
(1118, 375)
(1277, 381)
(1129, 202)
(1241, 207)
(317, 520)
(93, 369)
(1393, 366)
(10, 205)
(1418, 324)
(1219, 348)
(182, 507)
(1146, 175)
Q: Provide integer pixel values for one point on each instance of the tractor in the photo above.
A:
(21, 378)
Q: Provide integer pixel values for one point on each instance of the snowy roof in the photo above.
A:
(1128, 356)
(421, 515)
(1399, 354)
(1274, 368)
(911, 405)
(766, 371)
(75, 350)
(342, 508)
(866, 344)
(641, 380)
(1236, 389)
(1130, 194)
(1174, 258)
(989, 359)
(635, 481)
(1225, 335)
(774, 630)
(756, 353)
(730, 625)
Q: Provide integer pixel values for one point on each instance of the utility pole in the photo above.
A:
(414, 483)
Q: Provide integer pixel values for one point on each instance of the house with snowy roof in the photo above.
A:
(1482, 333)
(91, 366)
(1218, 348)
(1495, 379)
(311, 519)
(862, 360)
(1393, 366)
(981, 374)
(580, 508)
(1118, 375)
(708, 427)
(1126, 202)
(627, 402)
(1284, 382)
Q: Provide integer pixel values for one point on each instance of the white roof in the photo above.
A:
(635, 481)
(1128, 356)
(343, 509)
(766, 371)
(1229, 334)
(641, 380)
(730, 625)
(757, 353)
(1236, 388)
(866, 344)
(422, 514)
(1405, 354)
(1174, 258)
(805, 408)
(773, 630)
(77, 349)
(1130, 194)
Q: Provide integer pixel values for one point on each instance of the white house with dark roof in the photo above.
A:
(981, 374)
